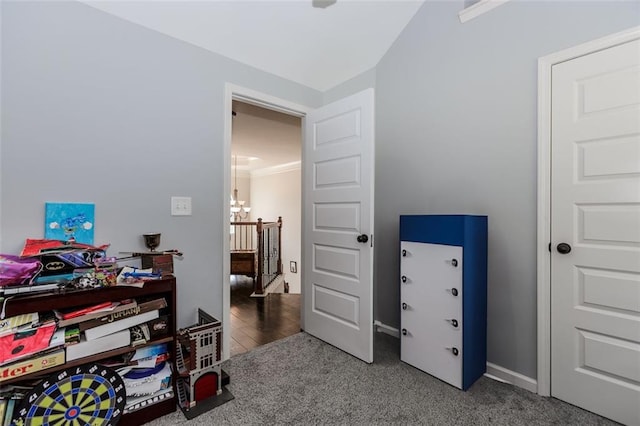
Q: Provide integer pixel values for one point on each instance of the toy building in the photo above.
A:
(199, 355)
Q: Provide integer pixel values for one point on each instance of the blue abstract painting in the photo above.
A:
(69, 222)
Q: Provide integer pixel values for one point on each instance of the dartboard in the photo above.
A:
(90, 394)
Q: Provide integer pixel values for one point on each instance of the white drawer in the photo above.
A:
(431, 300)
(432, 347)
(431, 265)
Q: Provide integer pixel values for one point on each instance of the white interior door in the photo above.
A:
(338, 224)
(595, 199)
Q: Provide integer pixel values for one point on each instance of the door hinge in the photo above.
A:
(371, 239)
(549, 247)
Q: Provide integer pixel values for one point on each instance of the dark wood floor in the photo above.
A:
(256, 321)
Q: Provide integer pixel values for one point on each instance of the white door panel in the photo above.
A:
(337, 173)
(610, 224)
(613, 90)
(337, 217)
(600, 349)
(339, 261)
(619, 157)
(337, 208)
(610, 290)
(337, 129)
(336, 306)
(595, 198)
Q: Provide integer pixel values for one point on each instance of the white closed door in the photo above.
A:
(595, 199)
(338, 224)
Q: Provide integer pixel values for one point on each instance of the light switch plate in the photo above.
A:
(180, 206)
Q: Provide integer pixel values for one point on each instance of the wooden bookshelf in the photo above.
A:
(43, 302)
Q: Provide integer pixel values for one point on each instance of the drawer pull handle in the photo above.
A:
(454, 322)
(404, 331)
(454, 263)
(404, 253)
(404, 279)
(454, 351)
(454, 291)
(404, 306)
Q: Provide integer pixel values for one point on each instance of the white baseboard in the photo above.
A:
(502, 374)
(271, 287)
(386, 329)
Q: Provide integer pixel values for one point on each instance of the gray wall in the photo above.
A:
(356, 84)
(96, 109)
(1, 132)
(456, 133)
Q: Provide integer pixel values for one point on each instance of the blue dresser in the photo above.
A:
(443, 296)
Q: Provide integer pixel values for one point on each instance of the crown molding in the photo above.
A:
(274, 170)
(480, 8)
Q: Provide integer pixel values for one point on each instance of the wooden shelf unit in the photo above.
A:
(42, 302)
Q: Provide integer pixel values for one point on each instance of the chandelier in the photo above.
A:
(239, 211)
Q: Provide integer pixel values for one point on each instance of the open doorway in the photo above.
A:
(265, 226)
(337, 178)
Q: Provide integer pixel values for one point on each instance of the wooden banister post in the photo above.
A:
(258, 285)
(279, 245)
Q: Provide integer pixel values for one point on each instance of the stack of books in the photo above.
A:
(26, 344)
(37, 341)
(110, 326)
(147, 377)
(36, 346)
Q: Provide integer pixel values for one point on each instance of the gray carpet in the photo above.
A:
(301, 380)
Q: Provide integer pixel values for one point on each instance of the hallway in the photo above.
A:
(256, 321)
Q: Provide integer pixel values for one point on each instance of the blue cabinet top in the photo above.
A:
(454, 230)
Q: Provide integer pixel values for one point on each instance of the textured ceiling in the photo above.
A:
(317, 47)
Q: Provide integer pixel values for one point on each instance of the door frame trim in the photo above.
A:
(234, 92)
(545, 65)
